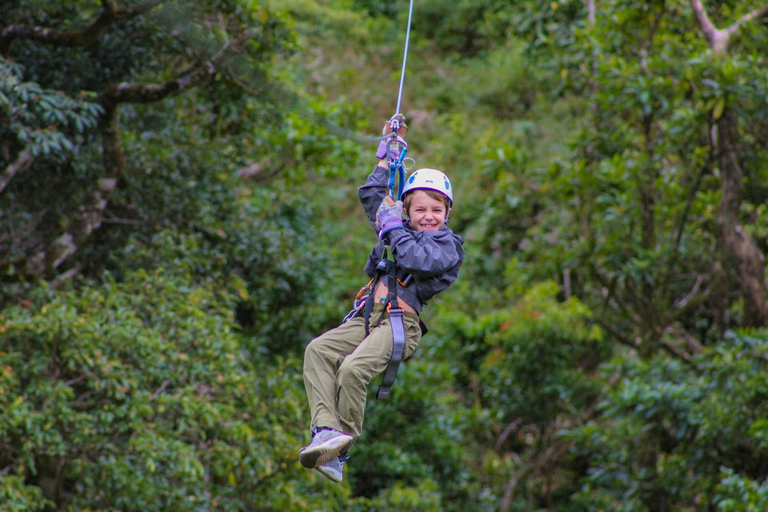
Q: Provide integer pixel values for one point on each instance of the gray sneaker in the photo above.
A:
(326, 445)
(334, 468)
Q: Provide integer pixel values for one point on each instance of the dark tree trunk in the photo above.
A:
(92, 211)
(737, 246)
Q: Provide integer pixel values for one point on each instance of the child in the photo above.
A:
(339, 364)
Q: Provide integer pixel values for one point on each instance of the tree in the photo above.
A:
(641, 244)
(115, 398)
(670, 435)
(124, 53)
(737, 244)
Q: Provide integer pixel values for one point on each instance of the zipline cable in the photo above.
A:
(405, 57)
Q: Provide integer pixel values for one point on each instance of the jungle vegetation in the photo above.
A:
(178, 219)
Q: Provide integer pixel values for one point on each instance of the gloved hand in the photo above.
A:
(389, 217)
(390, 149)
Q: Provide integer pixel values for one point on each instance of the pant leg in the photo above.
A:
(360, 367)
(322, 359)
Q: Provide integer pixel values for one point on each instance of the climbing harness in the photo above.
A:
(364, 302)
(363, 306)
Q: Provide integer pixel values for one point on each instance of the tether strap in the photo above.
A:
(398, 337)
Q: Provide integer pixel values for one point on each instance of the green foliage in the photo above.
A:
(412, 442)
(459, 26)
(200, 205)
(143, 53)
(138, 396)
(632, 211)
(583, 155)
(737, 493)
(672, 434)
(528, 368)
(423, 498)
(45, 122)
(265, 262)
(383, 8)
(16, 496)
(148, 47)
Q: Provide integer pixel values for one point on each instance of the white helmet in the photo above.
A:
(431, 179)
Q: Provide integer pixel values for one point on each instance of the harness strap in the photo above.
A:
(398, 339)
(385, 266)
(369, 308)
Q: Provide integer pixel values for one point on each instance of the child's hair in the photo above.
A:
(434, 194)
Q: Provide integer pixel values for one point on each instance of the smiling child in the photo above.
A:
(419, 256)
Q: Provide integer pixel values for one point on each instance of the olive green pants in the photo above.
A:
(339, 365)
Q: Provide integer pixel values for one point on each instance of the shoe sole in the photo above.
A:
(311, 458)
(330, 475)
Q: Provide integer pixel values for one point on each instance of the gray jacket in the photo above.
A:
(432, 258)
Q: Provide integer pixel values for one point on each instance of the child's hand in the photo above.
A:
(389, 217)
(389, 149)
(388, 202)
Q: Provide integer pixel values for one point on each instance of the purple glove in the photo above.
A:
(390, 218)
(390, 149)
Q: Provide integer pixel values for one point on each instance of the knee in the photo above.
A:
(315, 351)
(352, 373)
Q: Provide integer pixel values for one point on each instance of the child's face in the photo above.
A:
(426, 213)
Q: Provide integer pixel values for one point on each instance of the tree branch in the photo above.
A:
(148, 93)
(754, 15)
(683, 220)
(91, 213)
(552, 454)
(621, 337)
(110, 15)
(22, 163)
(718, 39)
(676, 352)
(505, 433)
(740, 248)
(611, 296)
(591, 11)
(704, 23)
